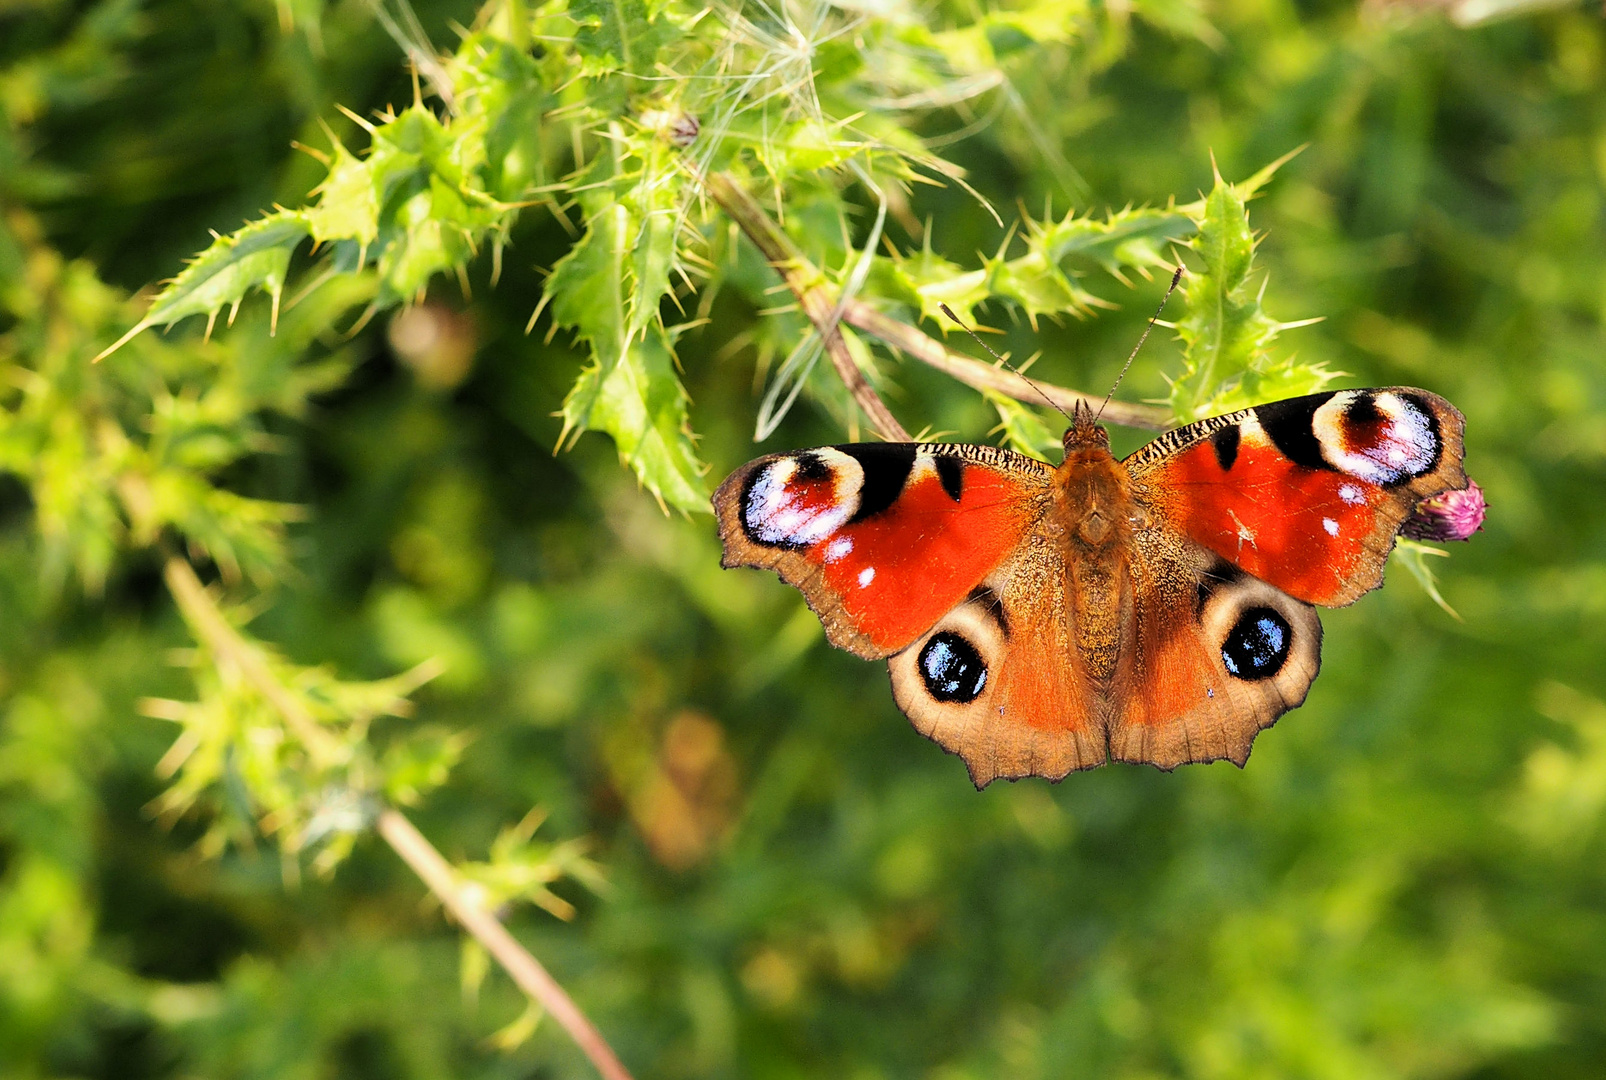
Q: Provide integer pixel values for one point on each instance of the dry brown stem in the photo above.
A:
(250, 662)
(820, 301)
(814, 295)
(531, 977)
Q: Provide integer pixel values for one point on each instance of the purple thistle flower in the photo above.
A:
(1454, 515)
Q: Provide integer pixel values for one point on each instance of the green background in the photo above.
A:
(1406, 881)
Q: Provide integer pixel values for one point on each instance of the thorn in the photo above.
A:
(273, 317)
(211, 320)
(312, 152)
(355, 119)
(536, 314)
(133, 331)
(362, 320)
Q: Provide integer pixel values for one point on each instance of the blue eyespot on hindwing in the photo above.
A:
(952, 669)
(1258, 644)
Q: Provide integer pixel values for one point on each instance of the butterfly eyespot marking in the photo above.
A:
(952, 669)
(1258, 644)
(800, 499)
(1378, 436)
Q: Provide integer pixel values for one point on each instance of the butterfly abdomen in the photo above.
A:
(1092, 514)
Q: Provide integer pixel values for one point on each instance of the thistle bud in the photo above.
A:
(1454, 515)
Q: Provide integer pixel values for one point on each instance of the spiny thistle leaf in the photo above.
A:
(411, 203)
(1038, 287)
(617, 35)
(635, 396)
(257, 256)
(1037, 282)
(1024, 428)
(348, 201)
(607, 289)
(1131, 239)
(1226, 334)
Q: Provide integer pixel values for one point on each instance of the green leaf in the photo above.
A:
(348, 201)
(607, 289)
(1414, 557)
(1131, 239)
(1227, 334)
(1038, 287)
(618, 35)
(1024, 428)
(420, 762)
(257, 256)
(1037, 282)
(635, 396)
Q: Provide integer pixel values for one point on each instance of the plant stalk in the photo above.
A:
(814, 295)
(218, 635)
(528, 972)
(819, 301)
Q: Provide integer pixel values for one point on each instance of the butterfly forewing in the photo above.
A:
(882, 539)
(1309, 493)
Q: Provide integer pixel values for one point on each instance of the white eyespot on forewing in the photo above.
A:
(1329, 526)
(838, 549)
(866, 576)
(1351, 494)
(800, 500)
(1379, 437)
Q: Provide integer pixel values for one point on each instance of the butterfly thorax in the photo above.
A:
(1092, 497)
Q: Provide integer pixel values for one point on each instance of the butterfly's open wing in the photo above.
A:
(999, 681)
(882, 539)
(1212, 656)
(1308, 493)
(1245, 521)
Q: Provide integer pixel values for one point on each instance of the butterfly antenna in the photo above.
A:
(946, 310)
(1176, 277)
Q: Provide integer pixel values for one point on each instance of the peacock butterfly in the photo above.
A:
(1040, 619)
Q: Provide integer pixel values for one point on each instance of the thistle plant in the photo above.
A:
(691, 151)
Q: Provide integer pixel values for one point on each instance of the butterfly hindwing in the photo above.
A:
(881, 538)
(998, 679)
(1308, 493)
(1212, 656)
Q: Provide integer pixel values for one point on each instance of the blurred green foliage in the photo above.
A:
(765, 872)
